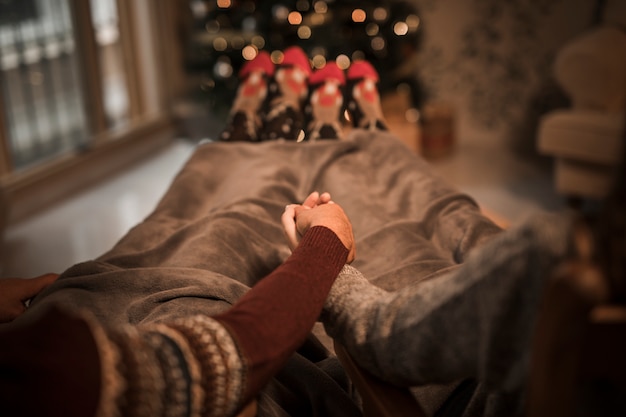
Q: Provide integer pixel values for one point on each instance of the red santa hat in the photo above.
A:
(295, 56)
(330, 71)
(362, 69)
(262, 62)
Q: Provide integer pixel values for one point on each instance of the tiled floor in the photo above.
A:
(85, 226)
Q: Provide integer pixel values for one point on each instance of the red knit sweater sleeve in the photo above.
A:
(273, 319)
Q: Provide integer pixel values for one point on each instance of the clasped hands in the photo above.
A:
(318, 210)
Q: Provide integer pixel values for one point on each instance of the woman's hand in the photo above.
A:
(15, 292)
(318, 210)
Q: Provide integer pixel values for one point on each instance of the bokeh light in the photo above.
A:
(223, 67)
(294, 18)
(280, 12)
(413, 21)
(224, 4)
(277, 57)
(372, 29)
(220, 44)
(343, 61)
(400, 28)
(380, 14)
(378, 43)
(304, 32)
(358, 15)
(320, 7)
(249, 52)
(319, 61)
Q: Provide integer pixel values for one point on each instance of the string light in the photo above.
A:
(400, 28)
(319, 61)
(320, 7)
(304, 32)
(249, 52)
(277, 57)
(220, 44)
(343, 62)
(378, 43)
(223, 67)
(413, 21)
(380, 14)
(358, 15)
(280, 12)
(372, 29)
(258, 41)
(223, 4)
(294, 18)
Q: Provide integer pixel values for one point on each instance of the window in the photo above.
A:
(82, 92)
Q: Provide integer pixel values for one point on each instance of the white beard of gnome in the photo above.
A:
(326, 103)
(365, 94)
(249, 98)
(292, 84)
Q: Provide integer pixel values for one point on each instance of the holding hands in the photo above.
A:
(318, 210)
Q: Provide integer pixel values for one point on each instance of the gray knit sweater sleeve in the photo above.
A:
(474, 321)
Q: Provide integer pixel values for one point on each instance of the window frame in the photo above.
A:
(29, 190)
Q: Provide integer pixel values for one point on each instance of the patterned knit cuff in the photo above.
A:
(190, 367)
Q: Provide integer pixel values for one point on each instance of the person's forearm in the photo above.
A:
(475, 321)
(273, 319)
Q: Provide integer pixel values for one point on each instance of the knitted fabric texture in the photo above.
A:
(190, 367)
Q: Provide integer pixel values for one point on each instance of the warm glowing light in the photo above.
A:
(413, 21)
(319, 61)
(199, 9)
(304, 32)
(380, 14)
(317, 19)
(220, 44)
(280, 12)
(277, 57)
(249, 52)
(294, 18)
(223, 69)
(378, 43)
(358, 15)
(343, 61)
(258, 41)
(412, 115)
(320, 7)
(356, 55)
(223, 4)
(400, 28)
(372, 29)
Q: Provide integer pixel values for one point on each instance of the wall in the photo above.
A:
(491, 60)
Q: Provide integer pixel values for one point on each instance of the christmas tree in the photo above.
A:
(228, 32)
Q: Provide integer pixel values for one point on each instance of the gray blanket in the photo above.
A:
(217, 231)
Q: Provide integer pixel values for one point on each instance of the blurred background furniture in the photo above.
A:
(586, 139)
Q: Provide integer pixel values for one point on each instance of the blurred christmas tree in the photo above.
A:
(226, 33)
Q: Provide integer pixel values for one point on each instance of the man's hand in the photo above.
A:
(15, 292)
(318, 210)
